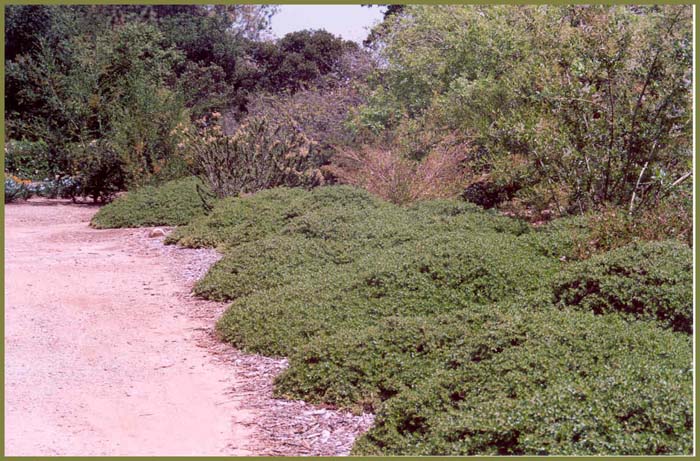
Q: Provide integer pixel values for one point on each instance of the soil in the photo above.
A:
(107, 352)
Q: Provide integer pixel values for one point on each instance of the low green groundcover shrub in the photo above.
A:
(299, 264)
(172, 204)
(330, 210)
(443, 320)
(438, 275)
(238, 220)
(650, 280)
(571, 383)
(280, 233)
(559, 238)
(362, 369)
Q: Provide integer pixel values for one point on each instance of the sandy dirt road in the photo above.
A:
(101, 353)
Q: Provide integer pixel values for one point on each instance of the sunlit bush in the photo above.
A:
(259, 155)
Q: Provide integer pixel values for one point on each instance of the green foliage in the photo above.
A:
(28, 159)
(318, 301)
(561, 238)
(137, 107)
(298, 59)
(590, 104)
(465, 331)
(127, 75)
(291, 238)
(111, 74)
(218, 73)
(547, 383)
(643, 280)
(98, 169)
(108, 88)
(234, 221)
(361, 369)
(204, 88)
(22, 25)
(172, 204)
(484, 379)
(428, 315)
(260, 155)
(340, 213)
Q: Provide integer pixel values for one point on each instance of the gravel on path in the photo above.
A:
(108, 353)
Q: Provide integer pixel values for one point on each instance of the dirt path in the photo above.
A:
(101, 355)
(107, 353)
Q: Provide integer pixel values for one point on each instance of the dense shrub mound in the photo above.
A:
(651, 280)
(172, 204)
(560, 238)
(336, 257)
(564, 384)
(331, 210)
(362, 369)
(238, 220)
(278, 233)
(441, 318)
(423, 277)
(259, 265)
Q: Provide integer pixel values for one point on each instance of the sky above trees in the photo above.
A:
(352, 22)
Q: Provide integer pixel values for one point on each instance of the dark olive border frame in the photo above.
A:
(3, 3)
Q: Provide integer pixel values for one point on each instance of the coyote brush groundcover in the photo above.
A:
(466, 332)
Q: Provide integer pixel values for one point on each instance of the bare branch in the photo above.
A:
(634, 192)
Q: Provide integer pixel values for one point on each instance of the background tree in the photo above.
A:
(571, 108)
(298, 59)
(122, 76)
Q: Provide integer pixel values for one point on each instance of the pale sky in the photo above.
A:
(352, 22)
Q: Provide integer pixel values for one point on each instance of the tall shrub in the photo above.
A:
(259, 155)
(596, 99)
(388, 173)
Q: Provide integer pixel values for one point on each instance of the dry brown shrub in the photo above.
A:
(390, 175)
